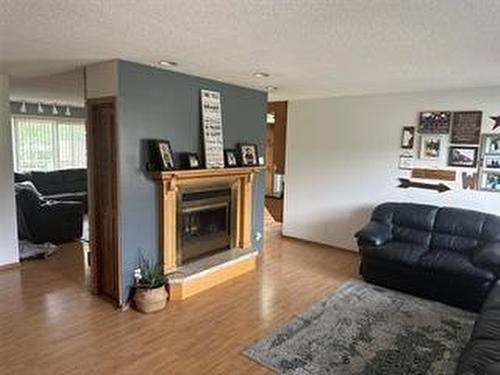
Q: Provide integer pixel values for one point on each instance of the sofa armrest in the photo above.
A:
(374, 234)
(488, 257)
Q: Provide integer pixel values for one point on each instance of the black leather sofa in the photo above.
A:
(446, 254)
(481, 356)
(61, 185)
(40, 220)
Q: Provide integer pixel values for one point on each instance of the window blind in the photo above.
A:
(46, 144)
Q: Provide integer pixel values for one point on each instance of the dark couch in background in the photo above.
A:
(60, 185)
(446, 254)
(40, 220)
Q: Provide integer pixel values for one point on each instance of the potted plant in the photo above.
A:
(150, 294)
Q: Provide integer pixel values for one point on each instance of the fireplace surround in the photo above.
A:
(173, 186)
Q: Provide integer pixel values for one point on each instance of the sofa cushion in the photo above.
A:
(397, 252)
(487, 325)
(27, 193)
(458, 230)
(453, 264)
(477, 356)
(60, 181)
(412, 223)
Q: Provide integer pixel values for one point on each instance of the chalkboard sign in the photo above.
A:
(466, 127)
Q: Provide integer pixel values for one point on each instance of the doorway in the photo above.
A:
(103, 197)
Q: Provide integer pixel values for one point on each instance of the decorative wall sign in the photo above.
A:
(434, 174)
(469, 181)
(212, 129)
(431, 147)
(405, 183)
(406, 162)
(432, 122)
(496, 125)
(408, 138)
(490, 181)
(466, 127)
(465, 157)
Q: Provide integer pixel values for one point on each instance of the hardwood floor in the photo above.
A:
(50, 324)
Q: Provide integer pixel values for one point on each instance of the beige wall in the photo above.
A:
(8, 227)
(101, 80)
(342, 160)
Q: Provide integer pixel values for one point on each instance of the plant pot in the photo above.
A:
(150, 300)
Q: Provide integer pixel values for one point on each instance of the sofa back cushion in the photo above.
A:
(464, 231)
(60, 181)
(412, 223)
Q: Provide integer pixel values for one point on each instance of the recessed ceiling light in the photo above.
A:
(167, 63)
(271, 88)
(261, 75)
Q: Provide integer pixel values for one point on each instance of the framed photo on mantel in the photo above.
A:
(211, 113)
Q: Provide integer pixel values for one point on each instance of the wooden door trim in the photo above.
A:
(91, 104)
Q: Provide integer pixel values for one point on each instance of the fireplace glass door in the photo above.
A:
(205, 223)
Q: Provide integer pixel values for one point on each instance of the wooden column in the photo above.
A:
(168, 224)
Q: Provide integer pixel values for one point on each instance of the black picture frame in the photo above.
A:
(463, 159)
(164, 155)
(231, 158)
(466, 127)
(434, 122)
(249, 156)
(191, 160)
(408, 138)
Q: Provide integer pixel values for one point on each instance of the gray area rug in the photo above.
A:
(28, 250)
(365, 329)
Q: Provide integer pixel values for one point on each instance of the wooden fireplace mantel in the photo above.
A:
(169, 182)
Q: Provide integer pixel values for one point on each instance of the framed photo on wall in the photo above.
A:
(408, 138)
(490, 181)
(248, 154)
(431, 147)
(491, 144)
(465, 157)
(434, 122)
(164, 154)
(492, 162)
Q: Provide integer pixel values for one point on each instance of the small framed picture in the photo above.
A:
(406, 162)
(165, 155)
(191, 161)
(490, 181)
(431, 147)
(248, 154)
(463, 157)
(434, 122)
(408, 138)
(492, 144)
(492, 162)
(230, 158)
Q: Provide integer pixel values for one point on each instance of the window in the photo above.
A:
(48, 143)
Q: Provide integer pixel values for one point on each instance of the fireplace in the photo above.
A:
(205, 217)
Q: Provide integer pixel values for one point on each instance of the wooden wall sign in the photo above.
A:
(466, 127)
(434, 174)
(432, 122)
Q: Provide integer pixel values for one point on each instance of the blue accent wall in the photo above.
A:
(159, 104)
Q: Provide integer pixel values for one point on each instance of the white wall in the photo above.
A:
(342, 160)
(101, 80)
(8, 224)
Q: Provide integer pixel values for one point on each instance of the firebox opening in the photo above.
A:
(204, 222)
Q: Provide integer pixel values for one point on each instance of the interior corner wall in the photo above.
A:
(159, 104)
(343, 154)
(8, 224)
(101, 80)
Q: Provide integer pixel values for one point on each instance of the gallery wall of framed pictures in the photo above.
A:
(450, 140)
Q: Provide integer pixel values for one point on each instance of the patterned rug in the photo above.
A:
(369, 330)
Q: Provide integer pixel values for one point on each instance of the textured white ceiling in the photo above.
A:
(311, 48)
